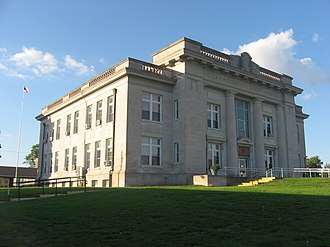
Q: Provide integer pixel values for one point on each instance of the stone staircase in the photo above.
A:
(258, 181)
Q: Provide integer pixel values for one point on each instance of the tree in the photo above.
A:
(327, 165)
(32, 156)
(314, 162)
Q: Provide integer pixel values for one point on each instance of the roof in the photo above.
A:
(128, 66)
(22, 172)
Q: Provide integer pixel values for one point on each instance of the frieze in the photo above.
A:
(192, 85)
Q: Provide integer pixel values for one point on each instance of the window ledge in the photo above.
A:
(219, 129)
(150, 166)
(151, 121)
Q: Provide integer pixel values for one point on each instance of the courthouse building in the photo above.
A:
(141, 123)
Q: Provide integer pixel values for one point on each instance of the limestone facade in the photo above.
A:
(159, 123)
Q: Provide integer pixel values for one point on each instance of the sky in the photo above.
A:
(52, 47)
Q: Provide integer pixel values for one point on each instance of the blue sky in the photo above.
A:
(54, 46)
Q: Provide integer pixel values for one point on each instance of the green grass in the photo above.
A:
(288, 212)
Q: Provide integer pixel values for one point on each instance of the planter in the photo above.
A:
(213, 172)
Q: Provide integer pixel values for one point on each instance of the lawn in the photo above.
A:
(288, 212)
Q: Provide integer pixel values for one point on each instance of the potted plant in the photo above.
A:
(214, 169)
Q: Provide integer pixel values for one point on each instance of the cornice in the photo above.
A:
(127, 67)
(187, 50)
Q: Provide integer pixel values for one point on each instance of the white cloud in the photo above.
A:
(16, 74)
(12, 73)
(227, 51)
(103, 60)
(316, 37)
(307, 61)
(309, 95)
(80, 68)
(3, 67)
(276, 52)
(31, 62)
(39, 62)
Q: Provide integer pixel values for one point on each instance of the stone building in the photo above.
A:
(141, 123)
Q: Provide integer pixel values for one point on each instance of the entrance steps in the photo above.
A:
(258, 181)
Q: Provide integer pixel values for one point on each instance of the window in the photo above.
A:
(108, 152)
(56, 162)
(58, 129)
(269, 159)
(46, 133)
(74, 158)
(94, 183)
(52, 131)
(89, 117)
(110, 108)
(151, 107)
(105, 183)
(151, 151)
(87, 155)
(66, 160)
(97, 155)
(75, 122)
(242, 119)
(68, 125)
(176, 152)
(213, 112)
(99, 113)
(45, 163)
(298, 133)
(268, 126)
(176, 109)
(213, 154)
(50, 162)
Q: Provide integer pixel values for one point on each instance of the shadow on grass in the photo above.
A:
(168, 216)
(15, 194)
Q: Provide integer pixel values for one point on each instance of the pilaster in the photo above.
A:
(258, 135)
(281, 138)
(232, 156)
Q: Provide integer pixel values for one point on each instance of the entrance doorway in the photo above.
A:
(243, 165)
(269, 159)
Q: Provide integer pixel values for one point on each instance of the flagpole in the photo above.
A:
(19, 137)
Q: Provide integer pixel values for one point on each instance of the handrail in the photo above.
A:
(241, 172)
(273, 172)
(46, 182)
(310, 171)
(269, 173)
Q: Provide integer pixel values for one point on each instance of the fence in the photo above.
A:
(298, 172)
(313, 172)
(239, 172)
(42, 187)
(274, 172)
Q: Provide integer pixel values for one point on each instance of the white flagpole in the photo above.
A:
(19, 137)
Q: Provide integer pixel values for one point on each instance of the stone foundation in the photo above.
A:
(207, 180)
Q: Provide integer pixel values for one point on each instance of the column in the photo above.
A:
(281, 138)
(259, 149)
(232, 156)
